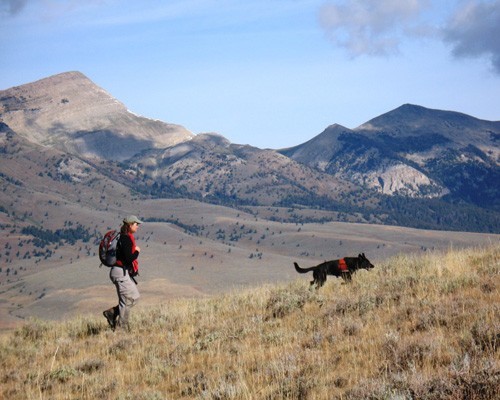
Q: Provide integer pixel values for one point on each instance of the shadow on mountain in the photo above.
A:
(106, 144)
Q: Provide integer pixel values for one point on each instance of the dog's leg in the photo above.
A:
(346, 276)
(322, 278)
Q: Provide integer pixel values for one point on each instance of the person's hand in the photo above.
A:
(137, 248)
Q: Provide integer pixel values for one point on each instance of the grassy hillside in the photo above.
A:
(416, 327)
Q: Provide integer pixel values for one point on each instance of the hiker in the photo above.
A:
(122, 275)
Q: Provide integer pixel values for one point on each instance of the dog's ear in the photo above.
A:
(363, 255)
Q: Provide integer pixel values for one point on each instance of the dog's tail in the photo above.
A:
(302, 270)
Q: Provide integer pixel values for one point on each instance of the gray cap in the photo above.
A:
(131, 219)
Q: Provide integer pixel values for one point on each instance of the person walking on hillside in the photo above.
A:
(123, 273)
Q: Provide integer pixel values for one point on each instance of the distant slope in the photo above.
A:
(414, 152)
(70, 112)
(44, 186)
(450, 127)
(460, 152)
(210, 167)
(319, 151)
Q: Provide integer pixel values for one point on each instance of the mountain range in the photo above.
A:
(412, 166)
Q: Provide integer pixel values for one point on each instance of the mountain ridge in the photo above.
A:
(423, 152)
(398, 168)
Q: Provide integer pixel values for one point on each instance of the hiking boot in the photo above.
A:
(122, 326)
(110, 316)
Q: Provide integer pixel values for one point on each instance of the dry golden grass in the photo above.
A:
(425, 327)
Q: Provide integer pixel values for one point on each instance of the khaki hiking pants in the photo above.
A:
(127, 291)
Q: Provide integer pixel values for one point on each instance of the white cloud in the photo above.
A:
(378, 28)
(371, 27)
(474, 31)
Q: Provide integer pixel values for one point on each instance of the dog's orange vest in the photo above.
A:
(342, 265)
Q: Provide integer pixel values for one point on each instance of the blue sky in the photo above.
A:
(270, 73)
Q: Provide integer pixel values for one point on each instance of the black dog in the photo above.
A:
(343, 268)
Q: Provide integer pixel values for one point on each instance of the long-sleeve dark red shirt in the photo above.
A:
(126, 254)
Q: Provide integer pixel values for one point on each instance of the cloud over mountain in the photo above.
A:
(368, 27)
(474, 31)
(364, 27)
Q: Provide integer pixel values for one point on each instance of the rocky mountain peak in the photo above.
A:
(410, 118)
(319, 150)
(70, 112)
